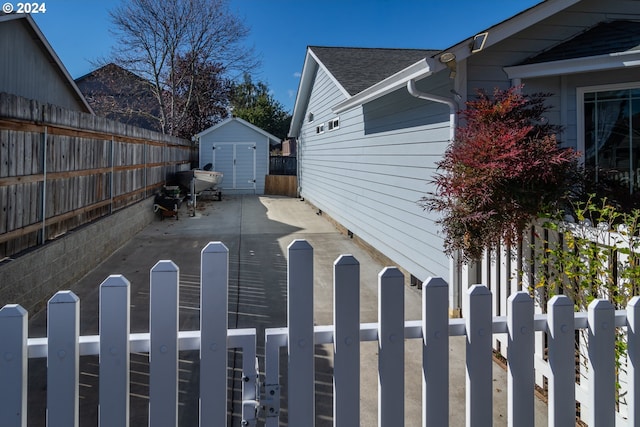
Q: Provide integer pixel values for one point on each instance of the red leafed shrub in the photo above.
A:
(503, 167)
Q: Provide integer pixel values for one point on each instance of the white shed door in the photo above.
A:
(237, 161)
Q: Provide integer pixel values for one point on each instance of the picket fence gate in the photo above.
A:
(261, 399)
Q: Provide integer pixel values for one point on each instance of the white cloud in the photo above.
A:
(297, 74)
(292, 93)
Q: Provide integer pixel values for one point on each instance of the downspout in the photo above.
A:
(455, 266)
(453, 106)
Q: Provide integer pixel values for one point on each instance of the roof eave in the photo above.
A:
(507, 28)
(416, 71)
(304, 88)
(575, 65)
(241, 121)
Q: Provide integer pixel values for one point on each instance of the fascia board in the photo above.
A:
(576, 65)
(419, 70)
(214, 127)
(242, 122)
(304, 91)
(508, 28)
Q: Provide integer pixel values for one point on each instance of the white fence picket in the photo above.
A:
(301, 340)
(163, 355)
(479, 389)
(602, 363)
(214, 291)
(520, 379)
(346, 342)
(561, 405)
(391, 348)
(435, 353)
(633, 361)
(63, 361)
(114, 352)
(13, 366)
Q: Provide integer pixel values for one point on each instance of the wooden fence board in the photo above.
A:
(4, 152)
(79, 162)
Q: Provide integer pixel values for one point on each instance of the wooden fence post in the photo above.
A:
(13, 366)
(520, 380)
(479, 388)
(214, 294)
(163, 354)
(562, 397)
(63, 330)
(390, 347)
(114, 385)
(435, 353)
(602, 387)
(346, 342)
(301, 339)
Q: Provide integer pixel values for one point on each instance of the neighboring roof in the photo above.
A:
(118, 94)
(113, 70)
(42, 41)
(359, 68)
(242, 122)
(602, 39)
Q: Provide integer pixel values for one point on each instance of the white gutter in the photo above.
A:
(609, 61)
(453, 106)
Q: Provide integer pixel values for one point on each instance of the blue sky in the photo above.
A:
(281, 30)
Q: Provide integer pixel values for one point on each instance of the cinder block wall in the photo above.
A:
(31, 279)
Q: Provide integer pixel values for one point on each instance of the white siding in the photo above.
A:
(242, 137)
(370, 173)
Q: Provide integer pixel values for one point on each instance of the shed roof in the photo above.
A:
(357, 68)
(119, 94)
(602, 39)
(242, 122)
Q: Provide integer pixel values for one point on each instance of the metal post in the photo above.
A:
(44, 187)
(112, 173)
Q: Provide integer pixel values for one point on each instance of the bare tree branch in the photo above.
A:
(155, 38)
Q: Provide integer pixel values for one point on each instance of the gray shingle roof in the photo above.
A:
(359, 68)
(604, 38)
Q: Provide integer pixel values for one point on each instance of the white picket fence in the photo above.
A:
(508, 270)
(63, 346)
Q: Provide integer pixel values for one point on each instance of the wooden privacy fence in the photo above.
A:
(261, 393)
(60, 169)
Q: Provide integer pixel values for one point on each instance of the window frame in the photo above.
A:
(580, 122)
(580, 92)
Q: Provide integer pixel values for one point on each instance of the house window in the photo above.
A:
(612, 134)
(334, 123)
(320, 128)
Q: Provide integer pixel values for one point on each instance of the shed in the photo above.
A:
(240, 151)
